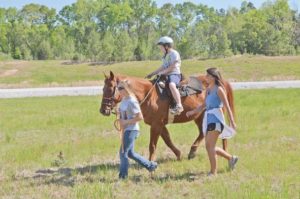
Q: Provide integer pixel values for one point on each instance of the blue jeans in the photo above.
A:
(129, 138)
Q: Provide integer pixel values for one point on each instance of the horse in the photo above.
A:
(155, 109)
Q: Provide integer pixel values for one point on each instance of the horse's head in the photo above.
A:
(110, 95)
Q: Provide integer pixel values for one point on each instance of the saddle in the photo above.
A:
(186, 87)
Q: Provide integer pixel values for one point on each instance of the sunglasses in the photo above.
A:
(120, 88)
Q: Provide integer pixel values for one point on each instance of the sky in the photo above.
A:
(218, 4)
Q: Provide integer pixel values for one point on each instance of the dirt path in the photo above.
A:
(97, 90)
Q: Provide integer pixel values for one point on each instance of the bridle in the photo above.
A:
(110, 101)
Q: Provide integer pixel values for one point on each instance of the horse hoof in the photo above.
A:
(191, 155)
(179, 157)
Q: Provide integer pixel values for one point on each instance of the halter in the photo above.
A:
(110, 101)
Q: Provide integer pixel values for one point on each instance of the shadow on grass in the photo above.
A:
(71, 176)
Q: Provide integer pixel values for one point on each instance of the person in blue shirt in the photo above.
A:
(214, 123)
(130, 115)
(170, 68)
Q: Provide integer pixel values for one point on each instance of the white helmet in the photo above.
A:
(165, 40)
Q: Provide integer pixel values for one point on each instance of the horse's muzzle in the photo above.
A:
(105, 112)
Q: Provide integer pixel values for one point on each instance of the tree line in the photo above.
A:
(124, 30)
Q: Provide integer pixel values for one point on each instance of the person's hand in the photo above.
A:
(123, 123)
(233, 125)
(189, 113)
(160, 74)
(149, 76)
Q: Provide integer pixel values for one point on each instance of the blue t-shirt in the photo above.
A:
(129, 107)
(172, 57)
(213, 101)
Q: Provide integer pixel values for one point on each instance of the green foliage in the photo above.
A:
(105, 30)
(44, 51)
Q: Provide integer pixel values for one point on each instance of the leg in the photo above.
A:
(137, 157)
(167, 139)
(175, 93)
(124, 163)
(224, 142)
(221, 152)
(123, 169)
(210, 143)
(198, 140)
(154, 135)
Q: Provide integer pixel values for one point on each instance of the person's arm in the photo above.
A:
(199, 109)
(167, 70)
(223, 97)
(138, 116)
(155, 72)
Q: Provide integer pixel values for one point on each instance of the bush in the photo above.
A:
(44, 51)
(4, 57)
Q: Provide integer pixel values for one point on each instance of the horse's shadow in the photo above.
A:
(69, 176)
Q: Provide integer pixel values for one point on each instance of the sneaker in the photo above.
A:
(176, 110)
(153, 166)
(232, 162)
(122, 177)
(210, 174)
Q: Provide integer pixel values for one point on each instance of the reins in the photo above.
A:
(157, 79)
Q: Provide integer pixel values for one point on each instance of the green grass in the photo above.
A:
(57, 73)
(5, 57)
(34, 130)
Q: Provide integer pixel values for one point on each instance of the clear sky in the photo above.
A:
(58, 4)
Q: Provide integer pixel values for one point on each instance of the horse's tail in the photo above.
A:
(230, 97)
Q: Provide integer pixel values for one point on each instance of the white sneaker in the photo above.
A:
(232, 162)
(176, 110)
(211, 175)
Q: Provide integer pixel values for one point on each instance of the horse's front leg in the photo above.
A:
(167, 139)
(154, 135)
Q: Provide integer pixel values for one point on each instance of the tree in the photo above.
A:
(246, 7)
(44, 50)
(124, 47)
(36, 14)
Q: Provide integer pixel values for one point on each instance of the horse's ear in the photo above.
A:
(105, 75)
(112, 76)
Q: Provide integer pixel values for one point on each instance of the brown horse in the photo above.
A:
(155, 109)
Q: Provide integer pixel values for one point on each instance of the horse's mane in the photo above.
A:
(140, 86)
(132, 79)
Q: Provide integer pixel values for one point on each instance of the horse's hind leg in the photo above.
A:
(167, 139)
(154, 135)
(224, 142)
(198, 140)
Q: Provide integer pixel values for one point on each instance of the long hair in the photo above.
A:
(127, 87)
(225, 85)
(217, 76)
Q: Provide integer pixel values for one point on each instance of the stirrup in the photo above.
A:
(162, 84)
(177, 110)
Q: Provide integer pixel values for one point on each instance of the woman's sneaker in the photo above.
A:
(211, 175)
(153, 166)
(232, 162)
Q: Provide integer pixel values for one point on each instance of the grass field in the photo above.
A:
(61, 73)
(33, 131)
